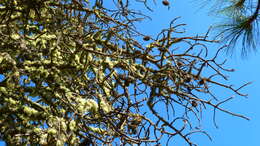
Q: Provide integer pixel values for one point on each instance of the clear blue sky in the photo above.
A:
(232, 131)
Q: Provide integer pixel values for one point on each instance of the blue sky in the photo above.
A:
(232, 131)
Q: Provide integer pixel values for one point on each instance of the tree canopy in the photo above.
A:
(78, 72)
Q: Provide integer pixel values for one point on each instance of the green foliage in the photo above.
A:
(74, 73)
(240, 24)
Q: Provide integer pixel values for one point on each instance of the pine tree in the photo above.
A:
(240, 25)
(74, 72)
